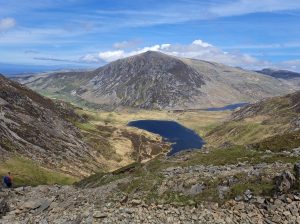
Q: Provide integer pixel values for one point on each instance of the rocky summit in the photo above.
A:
(153, 80)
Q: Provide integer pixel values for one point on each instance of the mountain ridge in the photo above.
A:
(153, 80)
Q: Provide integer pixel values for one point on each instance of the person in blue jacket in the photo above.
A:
(7, 180)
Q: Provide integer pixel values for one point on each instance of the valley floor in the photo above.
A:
(199, 120)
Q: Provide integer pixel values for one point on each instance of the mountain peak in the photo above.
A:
(153, 54)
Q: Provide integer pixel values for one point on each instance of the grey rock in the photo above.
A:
(136, 202)
(297, 170)
(44, 204)
(284, 182)
(196, 189)
(222, 191)
(99, 215)
(248, 195)
(4, 208)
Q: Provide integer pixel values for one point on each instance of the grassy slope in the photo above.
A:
(27, 172)
(270, 119)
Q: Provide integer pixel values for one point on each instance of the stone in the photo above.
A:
(196, 189)
(99, 215)
(284, 182)
(238, 198)
(222, 191)
(44, 204)
(30, 205)
(296, 198)
(136, 202)
(260, 200)
(247, 195)
(19, 190)
(4, 208)
(297, 171)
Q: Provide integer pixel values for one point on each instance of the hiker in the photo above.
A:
(7, 180)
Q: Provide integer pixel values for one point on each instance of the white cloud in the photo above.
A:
(198, 49)
(201, 43)
(111, 55)
(7, 23)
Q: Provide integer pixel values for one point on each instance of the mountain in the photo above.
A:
(285, 76)
(49, 134)
(279, 74)
(272, 124)
(153, 80)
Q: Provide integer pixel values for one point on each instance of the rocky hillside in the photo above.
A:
(153, 80)
(225, 186)
(275, 120)
(36, 130)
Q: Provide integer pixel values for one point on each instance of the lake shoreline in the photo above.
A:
(180, 137)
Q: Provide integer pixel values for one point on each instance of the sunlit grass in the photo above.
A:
(28, 172)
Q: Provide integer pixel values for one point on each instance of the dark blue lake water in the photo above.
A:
(228, 107)
(181, 137)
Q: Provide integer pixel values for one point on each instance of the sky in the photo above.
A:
(252, 34)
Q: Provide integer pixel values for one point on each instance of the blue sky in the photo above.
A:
(88, 33)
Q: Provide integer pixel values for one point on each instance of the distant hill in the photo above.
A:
(280, 74)
(153, 80)
(23, 70)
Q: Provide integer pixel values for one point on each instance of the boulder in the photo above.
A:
(297, 171)
(284, 182)
(248, 195)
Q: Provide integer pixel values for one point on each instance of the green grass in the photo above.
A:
(27, 172)
(240, 133)
(258, 188)
(279, 143)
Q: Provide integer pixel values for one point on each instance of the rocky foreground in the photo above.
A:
(108, 204)
(56, 204)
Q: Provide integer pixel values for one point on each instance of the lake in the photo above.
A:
(228, 107)
(181, 137)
